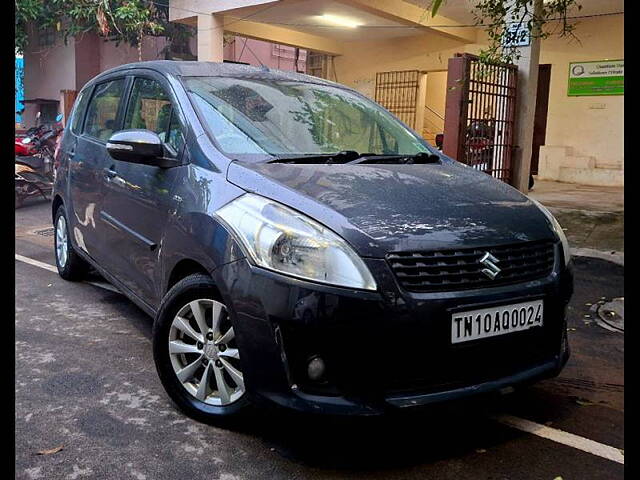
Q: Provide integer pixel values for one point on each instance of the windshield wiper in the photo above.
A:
(416, 159)
(352, 157)
(344, 156)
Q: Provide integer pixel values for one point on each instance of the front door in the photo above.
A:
(87, 154)
(138, 198)
(540, 120)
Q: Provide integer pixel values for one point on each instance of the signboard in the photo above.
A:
(603, 77)
(516, 35)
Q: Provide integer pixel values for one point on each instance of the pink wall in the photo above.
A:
(69, 67)
(47, 70)
(281, 57)
(111, 55)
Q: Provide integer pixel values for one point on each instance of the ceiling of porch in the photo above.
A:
(325, 18)
(461, 10)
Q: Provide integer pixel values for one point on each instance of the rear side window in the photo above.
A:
(103, 108)
(150, 108)
(78, 112)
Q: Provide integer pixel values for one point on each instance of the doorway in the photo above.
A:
(540, 120)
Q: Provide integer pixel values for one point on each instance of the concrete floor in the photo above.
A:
(579, 197)
(592, 217)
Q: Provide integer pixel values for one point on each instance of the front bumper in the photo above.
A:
(384, 350)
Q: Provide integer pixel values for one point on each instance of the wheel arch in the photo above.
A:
(194, 243)
(183, 269)
(55, 204)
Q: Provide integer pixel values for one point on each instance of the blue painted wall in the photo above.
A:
(19, 87)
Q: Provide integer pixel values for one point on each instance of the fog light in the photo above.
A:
(315, 369)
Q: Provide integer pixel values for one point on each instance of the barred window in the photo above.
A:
(46, 37)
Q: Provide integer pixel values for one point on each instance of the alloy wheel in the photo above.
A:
(62, 247)
(204, 354)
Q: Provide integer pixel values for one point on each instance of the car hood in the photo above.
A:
(382, 208)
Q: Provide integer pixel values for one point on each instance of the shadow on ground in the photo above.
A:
(379, 443)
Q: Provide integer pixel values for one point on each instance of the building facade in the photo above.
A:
(581, 139)
(54, 70)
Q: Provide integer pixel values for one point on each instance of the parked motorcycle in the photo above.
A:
(34, 174)
(24, 143)
(439, 141)
(479, 146)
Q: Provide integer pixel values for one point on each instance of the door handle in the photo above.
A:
(112, 177)
(110, 173)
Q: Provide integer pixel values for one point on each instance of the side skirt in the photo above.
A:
(144, 306)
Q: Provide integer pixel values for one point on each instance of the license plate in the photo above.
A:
(494, 321)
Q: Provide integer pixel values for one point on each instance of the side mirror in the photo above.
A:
(139, 146)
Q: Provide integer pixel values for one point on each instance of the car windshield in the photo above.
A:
(259, 119)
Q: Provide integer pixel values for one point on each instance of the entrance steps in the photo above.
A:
(592, 176)
(559, 163)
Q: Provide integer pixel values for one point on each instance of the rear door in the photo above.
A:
(87, 155)
(138, 198)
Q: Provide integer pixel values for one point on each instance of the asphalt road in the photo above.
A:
(85, 381)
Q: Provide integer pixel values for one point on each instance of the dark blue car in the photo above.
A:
(298, 245)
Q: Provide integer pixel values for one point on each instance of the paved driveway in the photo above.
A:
(86, 382)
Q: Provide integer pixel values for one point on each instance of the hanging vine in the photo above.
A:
(499, 18)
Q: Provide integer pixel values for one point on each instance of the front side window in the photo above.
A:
(150, 108)
(174, 135)
(78, 112)
(267, 118)
(103, 108)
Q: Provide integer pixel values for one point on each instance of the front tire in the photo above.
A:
(196, 353)
(70, 266)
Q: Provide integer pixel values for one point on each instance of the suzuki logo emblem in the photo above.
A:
(490, 261)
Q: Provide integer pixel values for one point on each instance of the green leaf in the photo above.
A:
(435, 6)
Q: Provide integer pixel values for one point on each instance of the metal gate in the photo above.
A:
(480, 115)
(398, 93)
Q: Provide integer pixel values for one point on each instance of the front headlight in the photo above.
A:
(556, 228)
(281, 239)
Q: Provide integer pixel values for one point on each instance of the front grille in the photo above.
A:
(460, 269)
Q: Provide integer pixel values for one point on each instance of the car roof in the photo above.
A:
(215, 69)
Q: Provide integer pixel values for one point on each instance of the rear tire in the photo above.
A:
(205, 402)
(70, 266)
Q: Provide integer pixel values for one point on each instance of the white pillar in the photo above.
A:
(421, 104)
(526, 108)
(210, 38)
